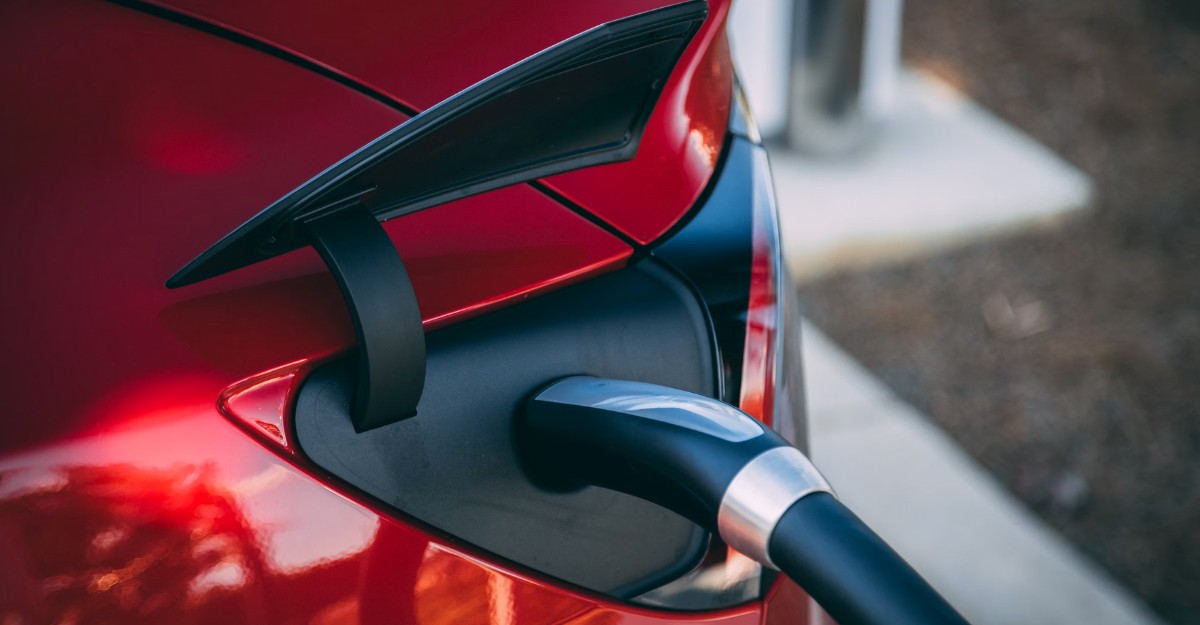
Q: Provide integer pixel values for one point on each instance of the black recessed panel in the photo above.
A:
(454, 467)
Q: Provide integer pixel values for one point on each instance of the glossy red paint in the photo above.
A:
(419, 53)
(788, 604)
(126, 494)
(99, 129)
(261, 403)
(647, 195)
(179, 521)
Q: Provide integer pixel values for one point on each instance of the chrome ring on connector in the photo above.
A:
(759, 495)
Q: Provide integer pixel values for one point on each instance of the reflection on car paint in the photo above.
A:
(181, 521)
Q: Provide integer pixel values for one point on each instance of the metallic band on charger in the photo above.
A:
(759, 495)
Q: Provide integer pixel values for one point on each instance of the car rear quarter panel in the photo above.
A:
(131, 143)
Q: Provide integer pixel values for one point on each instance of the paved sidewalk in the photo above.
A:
(943, 172)
(989, 556)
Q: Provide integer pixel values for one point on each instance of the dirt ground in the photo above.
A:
(1066, 361)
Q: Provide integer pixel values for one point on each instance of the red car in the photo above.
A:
(315, 416)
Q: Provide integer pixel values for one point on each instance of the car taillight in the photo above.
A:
(730, 252)
(771, 383)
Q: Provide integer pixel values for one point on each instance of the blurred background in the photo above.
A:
(992, 212)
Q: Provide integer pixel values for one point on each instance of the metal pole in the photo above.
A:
(844, 60)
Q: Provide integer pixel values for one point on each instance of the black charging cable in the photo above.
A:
(727, 472)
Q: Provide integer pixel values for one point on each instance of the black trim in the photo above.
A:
(714, 250)
(391, 339)
(198, 23)
(718, 368)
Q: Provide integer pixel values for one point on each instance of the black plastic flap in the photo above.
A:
(582, 102)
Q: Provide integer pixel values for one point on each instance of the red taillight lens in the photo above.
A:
(771, 386)
(758, 359)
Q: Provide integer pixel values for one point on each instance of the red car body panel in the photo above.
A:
(134, 143)
(180, 518)
(126, 494)
(646, 196)
(418, 54)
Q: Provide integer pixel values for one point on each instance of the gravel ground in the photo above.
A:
(1066, 361)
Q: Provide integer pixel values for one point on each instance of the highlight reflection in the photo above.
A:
(196, 525)
(451, 590)
(184, 519)
(124, 544)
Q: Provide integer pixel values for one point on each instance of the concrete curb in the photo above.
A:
(988, 555)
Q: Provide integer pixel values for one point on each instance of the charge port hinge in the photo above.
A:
(383, 306)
